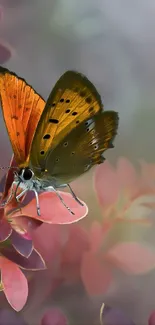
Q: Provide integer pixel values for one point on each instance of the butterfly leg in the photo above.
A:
(36, 196)
(60, 197)
(74, 195)
(37, 201)
(10, 196)
(15, 193)
(21, 194)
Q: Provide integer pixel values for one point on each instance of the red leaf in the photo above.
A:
(52, 209)
(96, 276)
(14, 283)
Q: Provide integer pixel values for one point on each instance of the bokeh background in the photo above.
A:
(112, 42)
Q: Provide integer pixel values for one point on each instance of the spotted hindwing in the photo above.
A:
(73, 100)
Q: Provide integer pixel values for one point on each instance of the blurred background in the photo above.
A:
(113, 44)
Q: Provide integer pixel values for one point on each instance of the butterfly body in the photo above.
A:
(55, 142)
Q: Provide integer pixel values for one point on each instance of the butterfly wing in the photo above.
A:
(73, 100)
(82, 148)
(22, 108)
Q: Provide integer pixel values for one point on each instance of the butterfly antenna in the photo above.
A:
(74, 195)
(8, 167)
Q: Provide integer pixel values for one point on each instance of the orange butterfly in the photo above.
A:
(55, 141)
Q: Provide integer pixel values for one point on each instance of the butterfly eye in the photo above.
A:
(65, 144)
(87, 129)
(61, 100)
(53, 104)
(68, 101)
(27, 174)
(67, 110)
(91, 109)
(74, 113)
(73, 153)
(42, 152)
(77, 122)
(57, 160)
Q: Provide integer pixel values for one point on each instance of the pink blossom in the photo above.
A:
(16, 246)
(125, 198)
(124, 194)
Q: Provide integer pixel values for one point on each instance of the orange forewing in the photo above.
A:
(22, 108)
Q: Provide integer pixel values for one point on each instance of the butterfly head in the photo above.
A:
(25, 174)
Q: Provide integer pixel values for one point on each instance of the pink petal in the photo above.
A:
(14, 283)
(152, 319)
(33, 262)
(132, 257)
(51, 247)
(5, 229)
(5, 52)
(106, 184)
(54, 317)
(24, 225)
(126, 173)
(22, 245)
(96, 236)
(52, 209)
(96, 276)
(147, 171)
(77, 244)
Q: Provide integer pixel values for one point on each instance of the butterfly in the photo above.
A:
(56, 141)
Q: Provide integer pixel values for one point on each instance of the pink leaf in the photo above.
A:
(96, 276)
(132, 257)
(5, 229)
(52, 209)
(24, 225)
(54, 317)
(126, 173)
(77, 244)
(5, 52)
(152, 319)
(14, 283)
(52, 246)
(33, 262)
(22, 246)
(96, 236)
